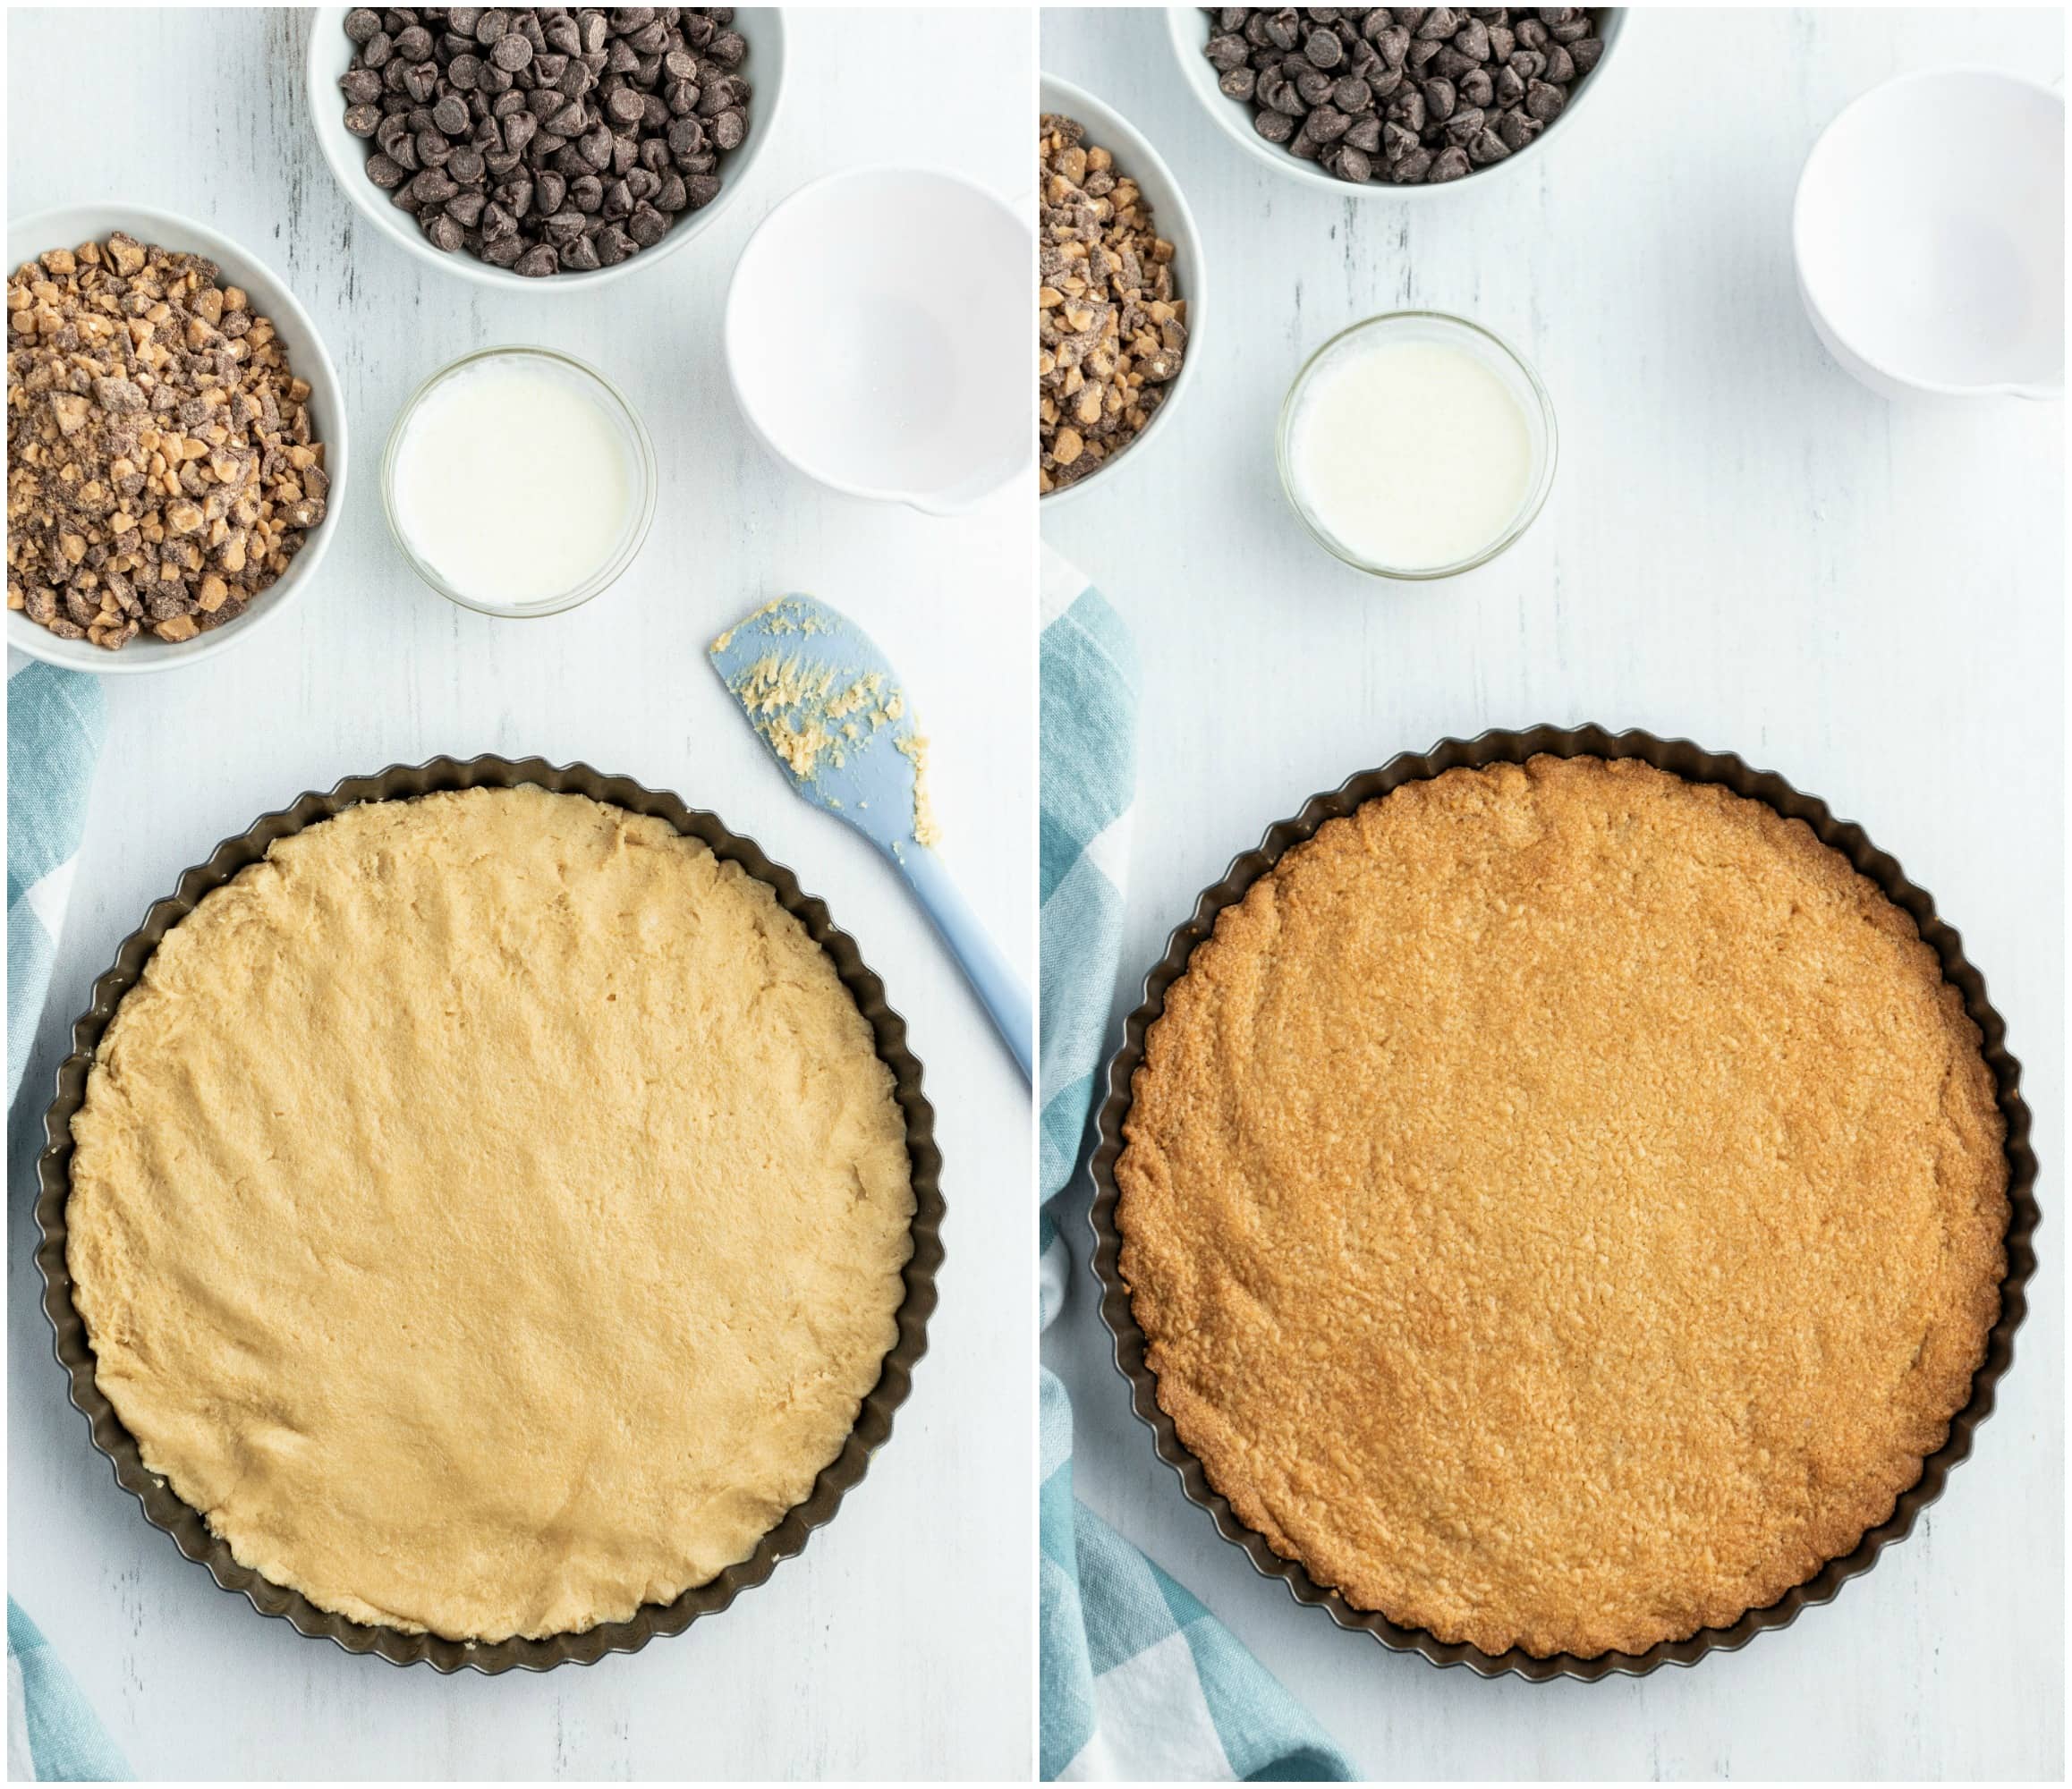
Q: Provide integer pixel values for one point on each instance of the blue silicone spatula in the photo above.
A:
(832, 712)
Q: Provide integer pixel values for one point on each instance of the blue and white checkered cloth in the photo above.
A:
(53, 1736)
(1139, 1681)
(54, 737)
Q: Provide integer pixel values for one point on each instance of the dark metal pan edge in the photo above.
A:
(1685, 759)
(163, 1510)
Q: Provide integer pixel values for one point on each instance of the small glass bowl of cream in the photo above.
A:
(519, 482)
(1416, 445)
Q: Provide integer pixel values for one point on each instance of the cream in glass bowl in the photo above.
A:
(1416, 445)
(519, 482)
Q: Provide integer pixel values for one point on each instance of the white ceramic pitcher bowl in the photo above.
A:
(878, 336)
(1929, 234)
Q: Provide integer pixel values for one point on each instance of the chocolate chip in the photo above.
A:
(1350, 164)
(433, 187)
(647, 225)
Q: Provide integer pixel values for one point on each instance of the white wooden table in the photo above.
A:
(1742, 547)
(899, 1644)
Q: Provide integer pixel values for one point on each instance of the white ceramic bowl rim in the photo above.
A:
(1883, 90)
(1077, 102)
(932, 503)
(1234, 117)
(606, 574)
(67, 226)
(326, 61)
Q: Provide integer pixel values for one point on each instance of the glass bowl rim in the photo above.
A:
(1547, 444)
(606, 574)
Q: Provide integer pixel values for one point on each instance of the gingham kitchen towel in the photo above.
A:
(1139, 1681)
(51, 1734)
(54, 737)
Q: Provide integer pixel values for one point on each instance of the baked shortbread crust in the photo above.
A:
(1564, 1205)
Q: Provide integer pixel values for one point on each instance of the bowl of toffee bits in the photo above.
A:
(553, 147)
(176, 449)
(1391, 97)
(1118, 291)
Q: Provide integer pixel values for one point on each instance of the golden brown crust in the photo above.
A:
(490, 1213)
(1564, 1205)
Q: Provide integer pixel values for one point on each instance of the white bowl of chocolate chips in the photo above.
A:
(543, 148)
(1406, 101)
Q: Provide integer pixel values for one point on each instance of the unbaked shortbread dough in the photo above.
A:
(489, 1212)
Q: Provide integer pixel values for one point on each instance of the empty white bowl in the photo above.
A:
(1929, 234)
(330, 54)
(878, 336)
(66, 228)
(1134, 157)
(1188, 27)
